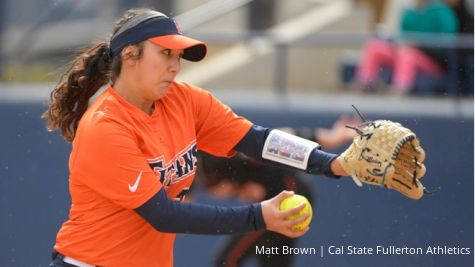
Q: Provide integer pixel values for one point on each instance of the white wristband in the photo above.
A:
(288, 149)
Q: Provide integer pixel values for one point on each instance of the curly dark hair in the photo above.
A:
(93, 68)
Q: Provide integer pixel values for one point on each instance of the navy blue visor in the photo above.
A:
(160, 30)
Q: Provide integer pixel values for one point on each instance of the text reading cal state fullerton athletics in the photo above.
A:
(395, 250)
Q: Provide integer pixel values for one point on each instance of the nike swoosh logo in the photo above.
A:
(133, 188)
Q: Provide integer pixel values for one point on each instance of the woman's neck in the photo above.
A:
(133, 96)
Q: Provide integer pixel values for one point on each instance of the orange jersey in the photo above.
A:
(121, 157)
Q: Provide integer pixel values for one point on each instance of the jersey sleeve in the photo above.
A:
(107, 159)
(218, 128)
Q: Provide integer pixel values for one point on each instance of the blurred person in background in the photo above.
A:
(250, 181)
(405, 58)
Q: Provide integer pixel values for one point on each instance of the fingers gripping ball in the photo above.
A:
(294, 201)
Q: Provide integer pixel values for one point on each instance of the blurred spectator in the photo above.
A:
(407, 60)
(250, 181)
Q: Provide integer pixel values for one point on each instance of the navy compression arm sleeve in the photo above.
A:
(253, 143)
(171, 216)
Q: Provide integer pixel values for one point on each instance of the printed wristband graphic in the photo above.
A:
(288, 149)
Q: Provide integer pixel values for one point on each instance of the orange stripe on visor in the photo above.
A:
(194, 50)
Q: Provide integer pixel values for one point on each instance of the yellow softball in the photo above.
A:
(294, 201)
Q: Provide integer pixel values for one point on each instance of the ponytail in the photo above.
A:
(87, 73)
(70, 98)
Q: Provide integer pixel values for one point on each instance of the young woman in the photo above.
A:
(134, 150)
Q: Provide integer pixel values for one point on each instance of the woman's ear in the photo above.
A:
(129, 54)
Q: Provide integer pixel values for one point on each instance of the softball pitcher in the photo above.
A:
(134, 150)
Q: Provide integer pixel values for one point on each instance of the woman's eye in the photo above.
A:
(167, 52)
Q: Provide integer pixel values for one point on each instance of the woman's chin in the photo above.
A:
(162, 91)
